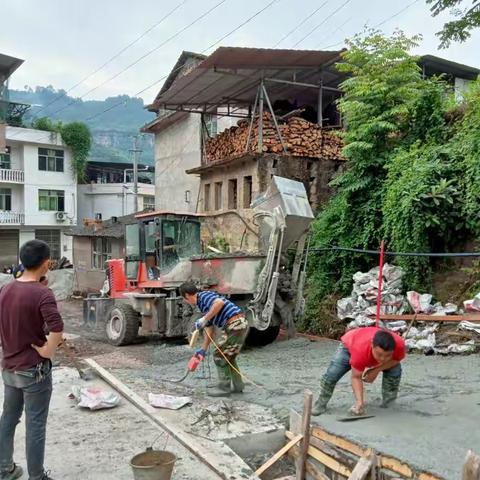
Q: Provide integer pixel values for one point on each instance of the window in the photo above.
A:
(232, 194)
(52, 239)
(218, 196)
(247, 192)
(5, 199)
(148, 202)
(102, 251)
(50, 160)
(206, 198)
(210, 122)
(5, 161)
(51, 200)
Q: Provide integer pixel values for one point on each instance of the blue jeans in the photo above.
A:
(30, 390)
(340, 365)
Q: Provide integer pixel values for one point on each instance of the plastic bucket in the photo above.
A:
(153, 465)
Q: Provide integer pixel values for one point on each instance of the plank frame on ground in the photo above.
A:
(204, 454)
(278, 455)
(300, 462)
(336, 454)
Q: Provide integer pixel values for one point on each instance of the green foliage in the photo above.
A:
(467, 145)
(220, 243)
(412, 176)
(75, 135)
(456, 30)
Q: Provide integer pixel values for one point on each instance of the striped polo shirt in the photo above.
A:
(205, 302)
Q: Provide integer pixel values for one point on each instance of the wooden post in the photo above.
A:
(307, 413)
(471, 467)
(362, 469)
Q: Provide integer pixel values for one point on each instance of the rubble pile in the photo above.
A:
(430, 338)
(363, 300)
(301, 137)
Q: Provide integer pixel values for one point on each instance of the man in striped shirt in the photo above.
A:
(221, 313)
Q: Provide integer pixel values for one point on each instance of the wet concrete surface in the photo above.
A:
(432, 425)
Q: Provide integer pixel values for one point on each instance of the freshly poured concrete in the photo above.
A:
(432, 426)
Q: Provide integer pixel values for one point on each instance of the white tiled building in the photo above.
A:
(38, 193)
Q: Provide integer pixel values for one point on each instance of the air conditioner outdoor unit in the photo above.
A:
(61, 216)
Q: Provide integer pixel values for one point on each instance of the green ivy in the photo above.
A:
(412, 176)
(76, 136)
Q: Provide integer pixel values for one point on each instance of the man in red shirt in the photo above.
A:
(367, 352)
(26, 307)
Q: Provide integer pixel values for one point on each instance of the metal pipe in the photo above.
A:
(260, 120)
(274, 119)
(320, 106)
(250, 128)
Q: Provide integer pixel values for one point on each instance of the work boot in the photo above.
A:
(326, 392)
(390, 386)
(223, 387)
(15, 473)
(238, 384)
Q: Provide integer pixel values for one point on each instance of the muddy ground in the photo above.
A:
(432, 426)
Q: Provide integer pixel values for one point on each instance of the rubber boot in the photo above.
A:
(326, 392)
(223, 387)
(238, 384)
(390, 386)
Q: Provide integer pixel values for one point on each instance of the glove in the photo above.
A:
(201, 353)
(200, 323)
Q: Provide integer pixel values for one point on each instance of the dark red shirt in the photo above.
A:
(359, 343)
(25, 309)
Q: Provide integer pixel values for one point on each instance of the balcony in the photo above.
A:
(11, 176)
(11, 218)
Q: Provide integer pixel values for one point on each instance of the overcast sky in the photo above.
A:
(63, 41)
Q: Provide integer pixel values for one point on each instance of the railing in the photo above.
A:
(11, 218)
(12, 176)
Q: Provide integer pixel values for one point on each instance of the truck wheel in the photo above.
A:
(122, 325)
(260, 338)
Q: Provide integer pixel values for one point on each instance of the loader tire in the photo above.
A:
(261, 338)
(122, 325)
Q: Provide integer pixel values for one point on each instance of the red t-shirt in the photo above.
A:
(359, 343)
(25, 309)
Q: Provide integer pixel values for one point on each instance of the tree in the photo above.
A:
(456, 30)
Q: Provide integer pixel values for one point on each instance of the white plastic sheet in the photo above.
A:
(168, 401)
(95, 398)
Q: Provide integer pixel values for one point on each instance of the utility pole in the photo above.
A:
(134, 151)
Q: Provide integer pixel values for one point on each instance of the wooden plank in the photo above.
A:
(305, 431)
(339, 455)
(278, 455)
(339, 441)
(471, 467)
(217, 463)
(473, 317)
(395, 465)
(324, 459)
(362, 469)
(312, 470)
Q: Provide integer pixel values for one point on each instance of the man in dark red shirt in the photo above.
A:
(367, 352)
(26, 307)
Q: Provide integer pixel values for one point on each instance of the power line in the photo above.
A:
(300, 24)
(334, 31)
(396, 14)
(175, 35)
(325, 20)
(391, 17)
(114, 57)
(180, 67)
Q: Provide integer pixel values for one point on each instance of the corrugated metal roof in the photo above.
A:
(440, 65)
(8, 65)
(231, 76)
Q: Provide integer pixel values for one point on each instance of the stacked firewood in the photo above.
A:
(301, 138)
